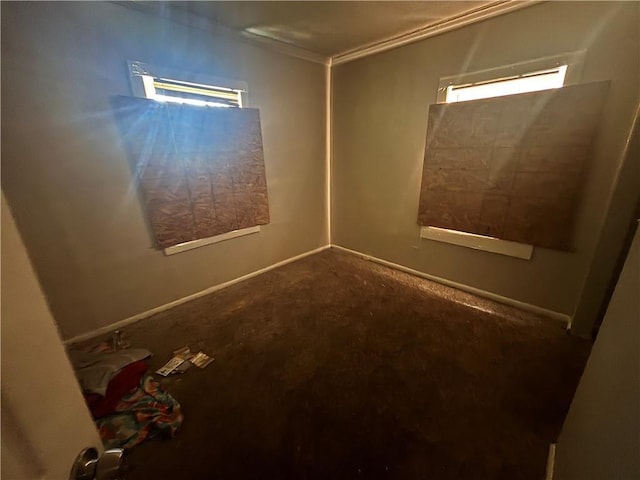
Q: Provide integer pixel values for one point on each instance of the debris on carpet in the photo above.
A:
(144, 413)
(127, 406)
(182, 360)
(95, 369)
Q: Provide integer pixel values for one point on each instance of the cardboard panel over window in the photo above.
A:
(510, 167)
(200, 171)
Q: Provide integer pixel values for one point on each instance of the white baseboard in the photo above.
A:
(466, 288)
(551, 462)
(128, 321)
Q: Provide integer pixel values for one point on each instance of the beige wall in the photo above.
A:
(600, 439)
(380, 106)
(67, 179)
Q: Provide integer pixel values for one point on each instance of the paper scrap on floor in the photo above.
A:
(201, 360)
(182, 361)
(170, 366)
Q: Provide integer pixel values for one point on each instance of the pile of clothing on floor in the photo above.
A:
(127, 405)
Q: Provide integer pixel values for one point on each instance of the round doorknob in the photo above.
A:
(90, 465)
(84, 467)
(110, 465)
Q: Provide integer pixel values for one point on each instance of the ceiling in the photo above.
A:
(328, 28)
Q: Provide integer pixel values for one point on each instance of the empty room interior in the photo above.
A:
(313, 240)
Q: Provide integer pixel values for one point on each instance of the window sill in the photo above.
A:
(183, 247)
(478, 242)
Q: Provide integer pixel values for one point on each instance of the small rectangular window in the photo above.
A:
(166, 90)
(528, 82)
(165, 85)
(528, 76)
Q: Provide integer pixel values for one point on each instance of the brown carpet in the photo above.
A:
(334, 367)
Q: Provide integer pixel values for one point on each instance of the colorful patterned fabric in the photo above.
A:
(142, 414)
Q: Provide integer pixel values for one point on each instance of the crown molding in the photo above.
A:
(473, 16)
(184, 17)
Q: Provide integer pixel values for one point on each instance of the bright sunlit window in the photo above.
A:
(529, 82)
(166, 90)
(168, 85)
